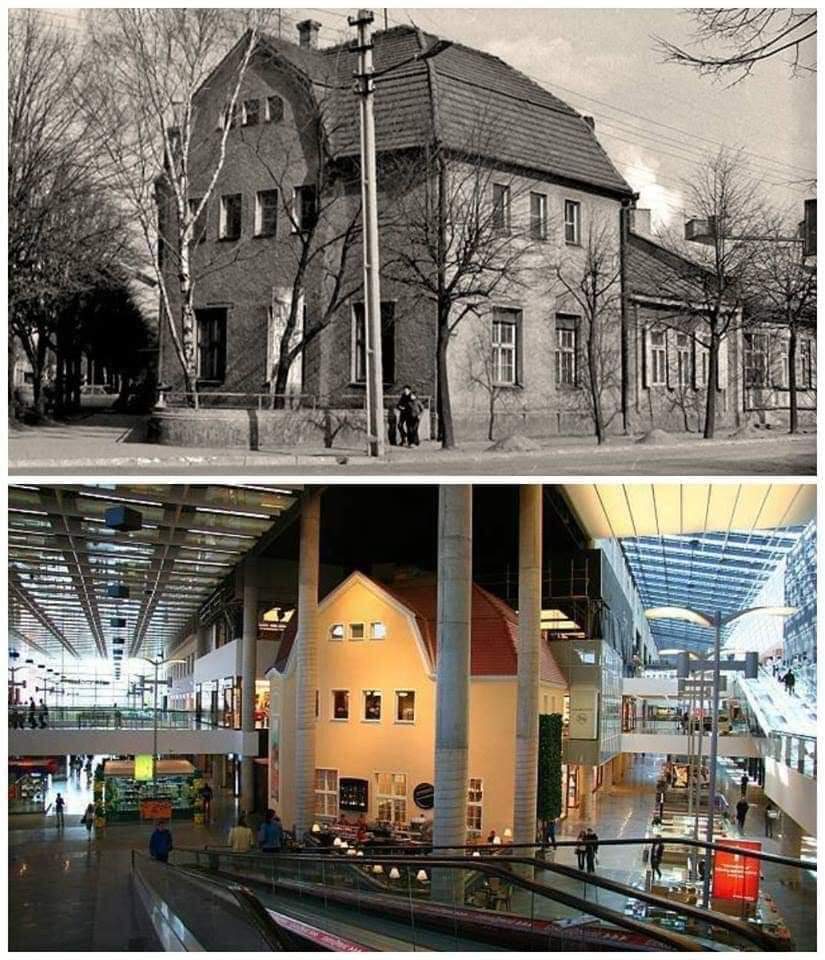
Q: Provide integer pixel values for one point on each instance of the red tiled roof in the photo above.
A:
(470, 90)
(493, 641)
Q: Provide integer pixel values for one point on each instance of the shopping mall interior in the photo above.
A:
(388, 717)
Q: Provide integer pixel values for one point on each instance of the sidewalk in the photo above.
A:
(94, 445)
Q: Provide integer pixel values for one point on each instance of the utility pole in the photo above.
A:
(369, 218)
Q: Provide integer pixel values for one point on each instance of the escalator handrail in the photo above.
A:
(673, 940)
(251, 907)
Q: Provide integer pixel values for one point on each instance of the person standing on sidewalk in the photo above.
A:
(771, 816)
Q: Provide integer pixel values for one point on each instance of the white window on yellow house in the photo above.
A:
(405, 706)
(357, 631)
(391, 797)
(326, 794)
(372, 706)
(684, 372)
(340, 704)
(475, 802)
(378, 630)
(336, 631)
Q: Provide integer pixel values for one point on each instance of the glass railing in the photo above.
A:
(192, 913)
(109, 718)
(506, 899)
(794, 750)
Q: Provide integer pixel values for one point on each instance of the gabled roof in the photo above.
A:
(494, 632)
(657, 273)
(451, 98)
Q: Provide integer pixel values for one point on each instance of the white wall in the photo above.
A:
(650, 686)
(792, 793)
(678, 744)
(220, 663)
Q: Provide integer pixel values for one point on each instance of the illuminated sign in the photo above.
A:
(155, 809)
(736, 877)
(143, 766)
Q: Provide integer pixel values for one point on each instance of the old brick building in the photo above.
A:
(286, 206)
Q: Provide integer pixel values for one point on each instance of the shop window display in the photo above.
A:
(172, 793)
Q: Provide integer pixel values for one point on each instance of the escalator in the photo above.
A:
(527, 904)
(774, 709)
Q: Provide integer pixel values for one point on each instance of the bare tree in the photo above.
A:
(783, 292)
(481, 373)
(147, 67)
(591, 280)
(450, 236)
(711, 288)
(734, 40)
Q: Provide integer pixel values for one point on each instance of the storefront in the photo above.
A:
(130, 792)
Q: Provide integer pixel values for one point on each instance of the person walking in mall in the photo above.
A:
(32, 713)
(160, 843)
(657, 852)
(88, 820)
(741, 812)
(771, 816)
(790, 682)
(551, 833)
(206, 796)
(118, 717)
(240, 837)
(270, 833)
(44, 715)
(59, 805)
(591, 844)
(581, 848)
(743, 785)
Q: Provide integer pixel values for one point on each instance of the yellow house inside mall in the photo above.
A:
(375, 706)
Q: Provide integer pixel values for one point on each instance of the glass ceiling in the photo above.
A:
(63, 560)
(708, 572)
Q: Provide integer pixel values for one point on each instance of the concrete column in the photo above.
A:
(306, 675)
(452, 709)
(790, 843)
(682, 665)
(249, 651)
(202, 640)
(585, 784)
(529, 639)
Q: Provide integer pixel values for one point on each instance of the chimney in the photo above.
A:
(308, 34)
(640, 222)
(590, 122)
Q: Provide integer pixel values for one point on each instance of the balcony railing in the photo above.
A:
(110, 718)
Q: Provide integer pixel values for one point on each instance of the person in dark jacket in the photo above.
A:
(741, 812)
(551, 833)
(270, 833)
(657, 852)
(160, 843)
(581, 848)
(591, 848)
(206, 796)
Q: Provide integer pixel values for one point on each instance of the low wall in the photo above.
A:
(262, 429)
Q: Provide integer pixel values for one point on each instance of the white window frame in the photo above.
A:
(244, 114)
(572, 222)
(502, 348)
(326, 793)
(332, 716)
(373, 625)
(297, 222)
(333, 638)
(357, 623)
(258, 219)
(658, 359)
(567, 351)
(395, 716)
(268, 108)
(806, 354)
(380, 695)
(538, 224)
(757, 345)
(684, 371)
(505, 226)
(396, 800)
(473, 831)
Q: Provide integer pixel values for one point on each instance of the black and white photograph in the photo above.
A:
(412, 241)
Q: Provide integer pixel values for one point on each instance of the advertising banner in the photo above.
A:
(155, 809)
(143, 766)
(736, 877)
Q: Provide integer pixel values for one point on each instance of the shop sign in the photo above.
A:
(424, 796)
(736, 877)
(144, 766)
(155, 809)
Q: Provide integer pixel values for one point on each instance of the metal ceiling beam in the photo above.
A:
(20, 593)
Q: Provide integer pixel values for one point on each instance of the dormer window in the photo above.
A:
(251, 112)
(274, 109)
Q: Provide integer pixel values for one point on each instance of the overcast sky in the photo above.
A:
(655, 120)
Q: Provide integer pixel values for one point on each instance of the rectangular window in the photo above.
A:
(230, 225)
(756, 360)
(391, 797)
(211, 336)
(251, 113)
(359, 343)
(505, 346)
(274, 109)
(266, 213)
(567, 336)
(356, 631)
(501, 208)
(199, 227)
(306, 208)
(405, 706)
(658, 358)
(378, 630)
(372, 705)
(340, 704)
(475, 800)
(326, 794)
(806, 365)
(336, 631)
(538, 216)
(683, 360)
(572, 222)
